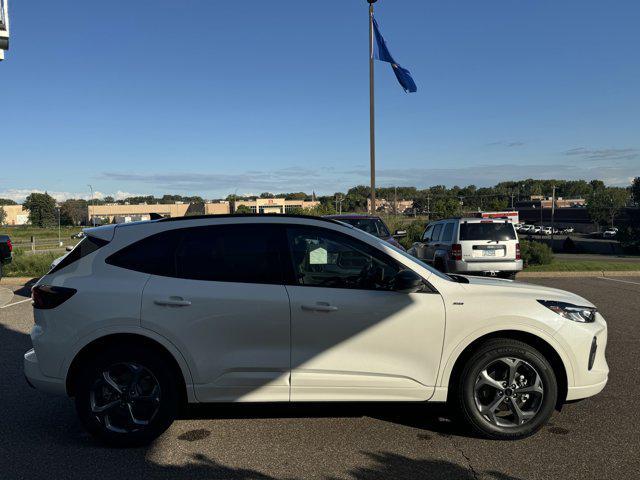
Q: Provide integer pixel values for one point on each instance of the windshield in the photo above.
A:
(373, 226)
(487, 231)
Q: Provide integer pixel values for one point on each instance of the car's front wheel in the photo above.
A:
(127, 396)
(507, 390)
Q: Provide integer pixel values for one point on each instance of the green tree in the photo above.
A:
(3, 216)
(73, 212)
(42, 209)
(6, 201)
(605, 204)
(635, 191)
(243, 210)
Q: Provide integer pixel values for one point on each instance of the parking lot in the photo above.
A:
(596, 438)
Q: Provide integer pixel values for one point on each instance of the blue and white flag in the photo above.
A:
(381, 52)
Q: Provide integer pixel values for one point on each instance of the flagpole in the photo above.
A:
(372, 109)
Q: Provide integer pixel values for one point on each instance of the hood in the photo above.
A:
(496, 285)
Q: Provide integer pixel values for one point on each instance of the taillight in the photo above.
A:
(10, 246)
(46, 297)
(456, 251)
(518, 256)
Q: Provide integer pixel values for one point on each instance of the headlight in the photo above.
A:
(571, 312)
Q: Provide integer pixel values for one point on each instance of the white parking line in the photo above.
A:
(16, 303)
(618, 280)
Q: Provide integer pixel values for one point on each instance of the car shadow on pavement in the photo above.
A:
(434, 418)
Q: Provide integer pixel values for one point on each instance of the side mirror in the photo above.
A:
(407, 281)
(68, 249)
(400, 233)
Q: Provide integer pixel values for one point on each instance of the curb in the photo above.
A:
(587, 274)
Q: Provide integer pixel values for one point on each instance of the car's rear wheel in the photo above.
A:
(127, 396)
(507, 390)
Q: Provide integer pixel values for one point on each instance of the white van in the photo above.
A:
(471, 246)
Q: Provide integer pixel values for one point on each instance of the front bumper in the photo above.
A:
(589, 377)
(39, 381)
(462, 266)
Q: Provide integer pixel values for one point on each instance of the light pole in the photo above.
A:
(93, 217)
(59, 233)
(372, 109)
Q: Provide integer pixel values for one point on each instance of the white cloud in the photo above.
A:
(19, 194)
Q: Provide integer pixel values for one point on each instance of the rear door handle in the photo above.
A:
(319, 307)
(172, 302)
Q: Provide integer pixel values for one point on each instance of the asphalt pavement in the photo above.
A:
(597, 438)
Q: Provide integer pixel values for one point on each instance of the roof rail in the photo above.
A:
(250, 215)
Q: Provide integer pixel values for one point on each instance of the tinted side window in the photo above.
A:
(154, 254)
(86, 246)
(230, 253)
(436, 232)
(427, 234)
(222, 253)
(447, 235)
(322, 258)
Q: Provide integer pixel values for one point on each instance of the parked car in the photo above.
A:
(5, 252)
(610, 233)
(470, 246)
(568, 230)
(373, 225)
(140, 319)
(547, 231)
(526, 229)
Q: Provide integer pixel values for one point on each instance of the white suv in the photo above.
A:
(471, 246)
(140, 319)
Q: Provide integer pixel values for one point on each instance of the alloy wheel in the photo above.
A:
(508, 392)
(125, 397)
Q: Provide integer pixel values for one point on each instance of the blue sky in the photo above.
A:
(208, 97)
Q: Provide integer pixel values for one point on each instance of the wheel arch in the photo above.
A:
(120, 339)
(551, 353)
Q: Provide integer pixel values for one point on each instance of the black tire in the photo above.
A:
(440, 265)
(540, 406)
(156, 369)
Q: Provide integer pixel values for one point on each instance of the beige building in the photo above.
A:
(217, 208)
(560, 202)
(387, 206)
(16, 215)
(128, 213)
(273, 205)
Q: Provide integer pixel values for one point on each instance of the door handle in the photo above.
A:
(319, 307)
(172, 302)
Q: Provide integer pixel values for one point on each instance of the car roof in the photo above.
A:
(353, 216)
(243, 215)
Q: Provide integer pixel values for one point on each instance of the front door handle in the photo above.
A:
(172, 302)
(319, 307)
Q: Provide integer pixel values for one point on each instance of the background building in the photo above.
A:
(273, 205)
(16, 215)
(390, 206)
(128, 213)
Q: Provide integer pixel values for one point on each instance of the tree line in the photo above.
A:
(604, 203)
